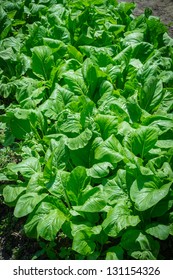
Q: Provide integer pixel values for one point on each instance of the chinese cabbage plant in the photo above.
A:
(86, 101)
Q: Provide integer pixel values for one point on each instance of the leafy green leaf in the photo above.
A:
(109, 151)
(27, 167)
(20, 127)
(152, 94)
(11, 193)
(157, 230)
(38, 216)
(90, 75)
(42, 61)
(75, 53)
(147, 192)
(162, 206)
(80, 141)
(107, 125)
(142, 140)
(75, 83)
(83, 244)
(50, 224)
(119, 218)
(77, 182)
(99, 170)
(56, 186)
(139, 245)
(56, 155)
(27, 203)
(93, 201)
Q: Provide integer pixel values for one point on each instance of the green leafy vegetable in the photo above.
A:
(86, 105)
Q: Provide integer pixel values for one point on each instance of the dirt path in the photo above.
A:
(160, 8)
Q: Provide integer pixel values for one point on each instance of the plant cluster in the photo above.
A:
(86, 100)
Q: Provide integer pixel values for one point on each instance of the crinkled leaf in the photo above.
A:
(42, 212)
(95, 203)
(83, 244)
(27, 203)
(165, 144)
(69, 123)
(42, 61)
(80, 141)
(50, 224)
(109, 151)
(11, 192)
(151, 94)
(142, 140)
(107, 124)
(27, 167)
(77, 182)
(75, 53)
(147, 192)
(119, 218)
(56, 155)
(133, 38)
(100, 170)
(56, 186)
(139, 245)
(158, 230)
(75, 83)
(160, 121)
(90, 75)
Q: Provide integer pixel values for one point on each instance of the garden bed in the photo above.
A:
(86, 138)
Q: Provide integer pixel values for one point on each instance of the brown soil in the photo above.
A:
(160, 8)
(13, 242)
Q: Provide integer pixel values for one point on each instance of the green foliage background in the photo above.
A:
(86, 101)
